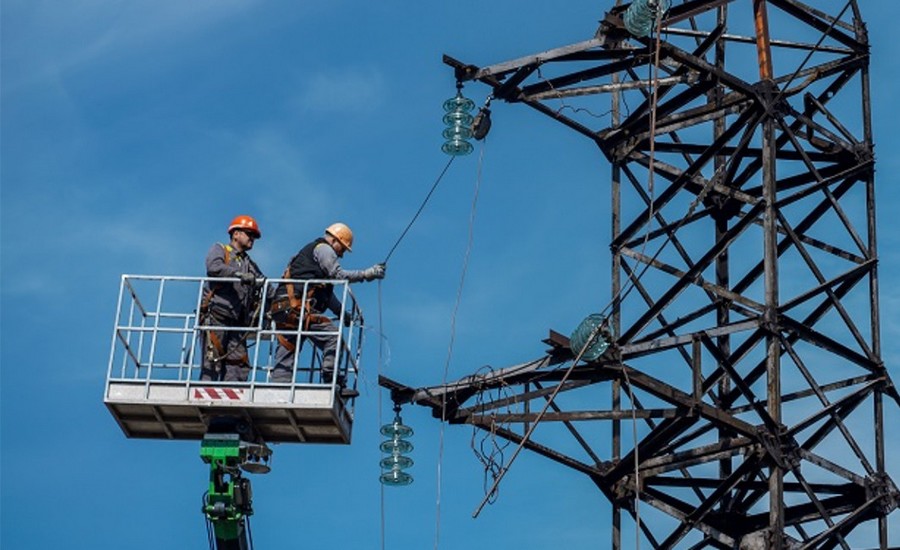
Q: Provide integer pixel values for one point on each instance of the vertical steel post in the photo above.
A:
(615, 314)
(770, 266)
(722, 261)
(878, 401)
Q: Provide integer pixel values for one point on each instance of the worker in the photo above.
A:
(317, 260)
(230, 304)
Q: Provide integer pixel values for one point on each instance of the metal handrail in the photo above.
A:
(150, 341)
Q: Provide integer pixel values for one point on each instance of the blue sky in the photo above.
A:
(133, 131)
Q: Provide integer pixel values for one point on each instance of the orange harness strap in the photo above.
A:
(295, 305)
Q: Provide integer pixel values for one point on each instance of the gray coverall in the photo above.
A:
(227, 304)
(327, 260)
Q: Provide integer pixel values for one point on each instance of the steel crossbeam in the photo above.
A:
(745, 316)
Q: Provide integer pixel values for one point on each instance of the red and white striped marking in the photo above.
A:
(219, 394)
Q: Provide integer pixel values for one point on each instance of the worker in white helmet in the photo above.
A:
(317, 260)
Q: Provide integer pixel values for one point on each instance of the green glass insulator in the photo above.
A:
(396, 429)
(457, 147)
(395, 462)
(396, 477)
(457, 132)
(458, 118)
(582, 335)
(459, 103)
(393, 446)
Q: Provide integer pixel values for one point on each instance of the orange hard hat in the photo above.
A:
(342, 233)
(245, 223)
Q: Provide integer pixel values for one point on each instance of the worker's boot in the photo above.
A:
(345, 392)
(281, 376)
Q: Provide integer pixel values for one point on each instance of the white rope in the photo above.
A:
(462, 278)
(380, 418)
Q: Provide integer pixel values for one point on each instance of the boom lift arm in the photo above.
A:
(228, 503)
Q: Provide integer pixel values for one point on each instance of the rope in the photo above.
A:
(620, 297)
(493, 459)
(538, 418)
(491, 493)
(462, 278)
(812, 51)
(637, 463)
(422, 207)
(650, 214)
(380, 419)
(654, 78)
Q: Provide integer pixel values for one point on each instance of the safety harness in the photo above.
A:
(215, 349)
(286, 311)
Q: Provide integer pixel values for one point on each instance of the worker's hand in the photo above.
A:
(247, 278)
(375, 272)
(348, 318)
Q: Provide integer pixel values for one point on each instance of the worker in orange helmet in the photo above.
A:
(230, 304)
(317, 260)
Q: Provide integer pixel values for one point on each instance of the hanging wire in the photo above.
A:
(419, 211)
(564, 105)
(462, 279)
(650, 213)
(595, 333)
(637, 463)
(489, 453)
(538, 418)
(653, 76)
(624, 292)
(380, 370)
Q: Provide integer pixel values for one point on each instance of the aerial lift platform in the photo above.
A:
(153, 388)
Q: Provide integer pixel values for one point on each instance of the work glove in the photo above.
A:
(247, 278)
(348, 318)
(374, 272)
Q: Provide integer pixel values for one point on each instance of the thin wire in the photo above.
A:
(596, 331)
(702, 195)
(812, 51)
(539, 417)
(654, 78)
(422, 207)
(488, 459)
(650, 190)
(462, 278)
(380, 418)
(637, 462)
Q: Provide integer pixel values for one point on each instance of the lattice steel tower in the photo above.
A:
(744, 320)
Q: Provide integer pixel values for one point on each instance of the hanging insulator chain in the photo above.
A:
(396, 448)
(459, 124)
(640, 17)
(591, 338)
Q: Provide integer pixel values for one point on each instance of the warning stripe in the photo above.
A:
(219, 394)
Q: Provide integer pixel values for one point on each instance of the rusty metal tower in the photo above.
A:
(744, 388)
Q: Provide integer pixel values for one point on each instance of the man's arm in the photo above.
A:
(327, 259)
(215, 263)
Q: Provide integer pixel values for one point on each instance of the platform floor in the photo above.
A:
(181, 410)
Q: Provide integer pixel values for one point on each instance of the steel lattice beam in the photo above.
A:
(745, 313)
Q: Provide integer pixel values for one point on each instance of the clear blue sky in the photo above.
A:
(133, 131)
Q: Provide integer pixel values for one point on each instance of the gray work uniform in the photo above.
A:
(227, 304)
(317, 260)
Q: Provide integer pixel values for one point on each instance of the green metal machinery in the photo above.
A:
(228, 503)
